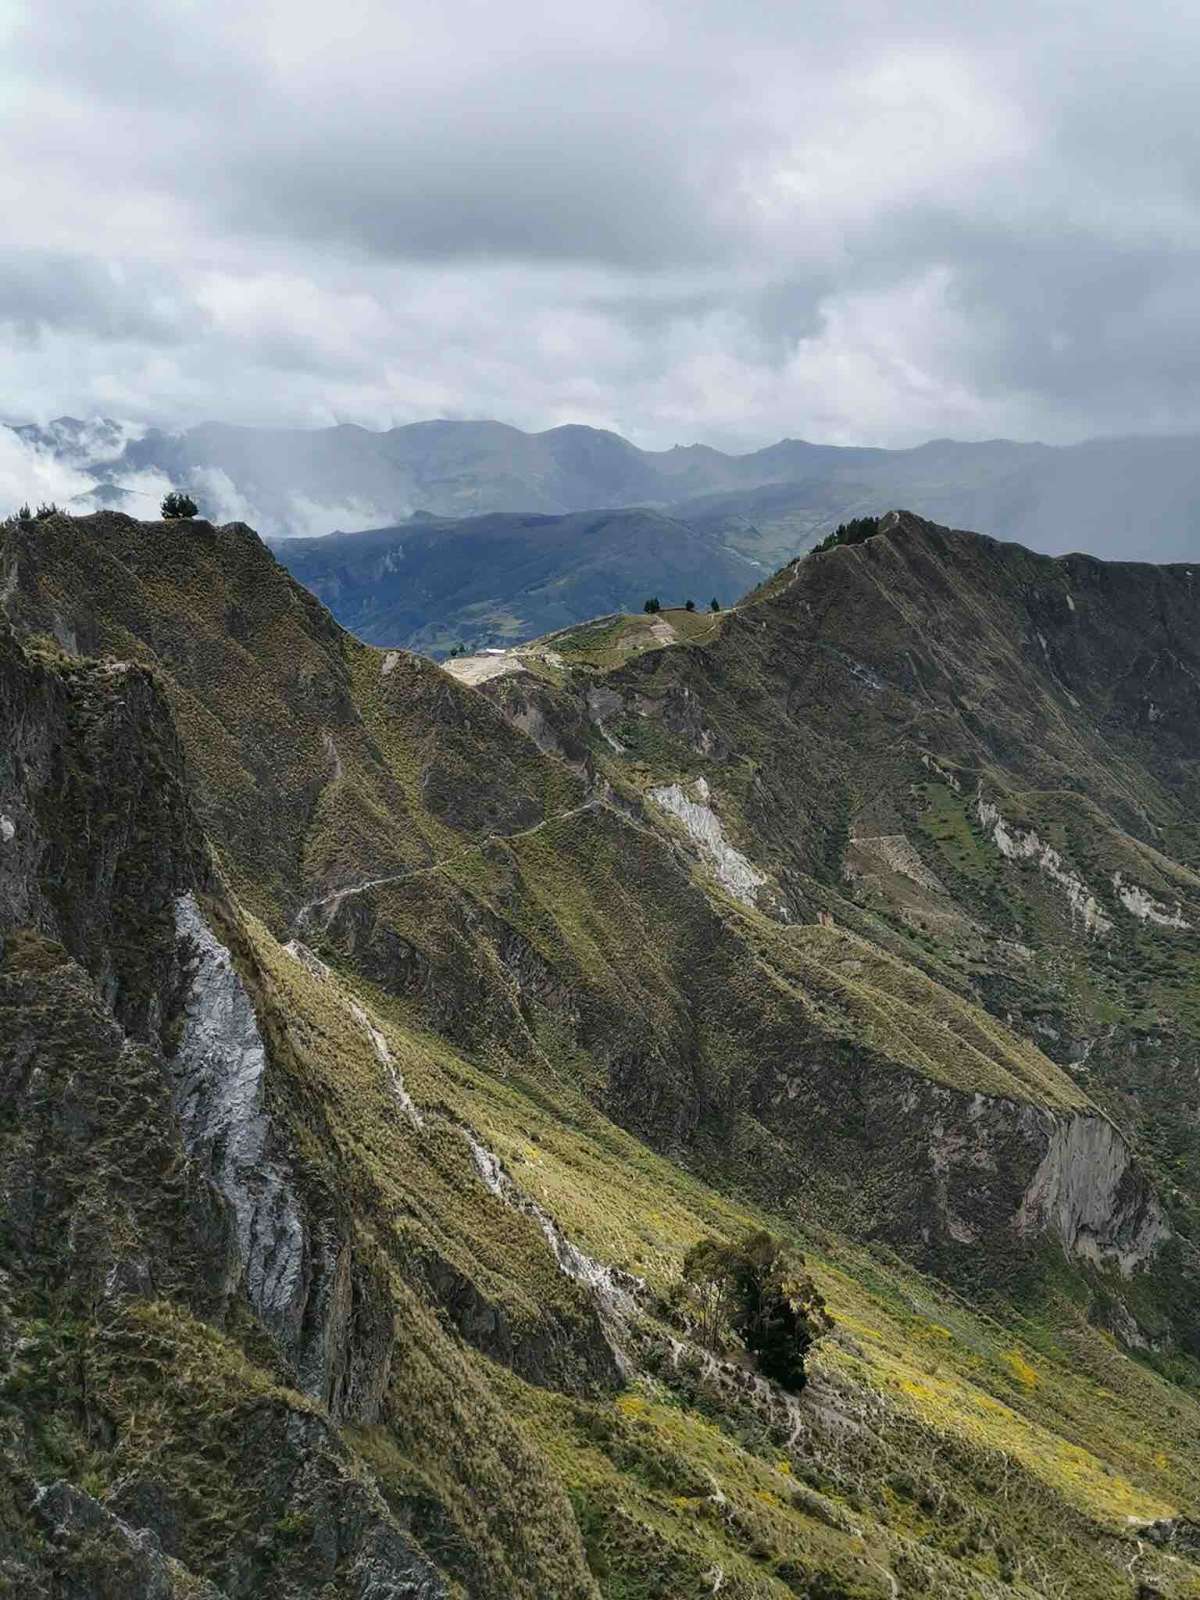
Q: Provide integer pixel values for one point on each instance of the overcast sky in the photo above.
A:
(722, 220)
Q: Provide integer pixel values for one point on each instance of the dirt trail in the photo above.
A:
(334, 899)
(475, 670)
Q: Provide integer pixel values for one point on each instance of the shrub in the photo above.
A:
(175, 506)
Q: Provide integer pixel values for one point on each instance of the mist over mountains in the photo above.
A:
(1136, 498)
(479, 534)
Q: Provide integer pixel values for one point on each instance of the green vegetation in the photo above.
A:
(587, 1142)
(25, 513)
(758, 1292)
(177, 506)
(855, 531)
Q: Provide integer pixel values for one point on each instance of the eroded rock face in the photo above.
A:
(220, 1070)
(1087, 1192)
(98, 1192)
(931, 1168)
(106, 1208)
(97, 834)
(296, 1263)
(734, 871)
(101, 1557)
(1142, 905)
(1023, 844)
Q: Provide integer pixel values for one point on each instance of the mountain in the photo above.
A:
(432, 584)
(1134, 497)
(377, 1040)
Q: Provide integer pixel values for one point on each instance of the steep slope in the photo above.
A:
(981, 758)
(432, 585)
(376, 1048)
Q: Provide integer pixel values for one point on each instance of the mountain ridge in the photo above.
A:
(447, 1018)
(1134, 496)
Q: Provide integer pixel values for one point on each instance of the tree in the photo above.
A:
(47, 510)
(707, 1273)
(652, 605)
(757, 1291)
(714, 604)
(176, 506)
(780, 1311)
(25, 513)
(689, 605)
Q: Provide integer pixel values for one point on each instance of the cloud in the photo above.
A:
(33, 475)
(309, 518)
(716, 221)
(300, 515)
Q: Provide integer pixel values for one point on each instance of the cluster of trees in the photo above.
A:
(756, 1291)
(852, 532)
(654, 604)
(173, 506)
(176, 506)
(26, 514)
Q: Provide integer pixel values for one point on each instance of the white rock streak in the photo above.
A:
(220, 1072)
(1018, 844)
(733, 870)
(395, 1081)
(1141, 905)
(1023, 844)
(614, 1290)
(313, 965)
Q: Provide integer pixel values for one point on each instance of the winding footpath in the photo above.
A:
(334, 899)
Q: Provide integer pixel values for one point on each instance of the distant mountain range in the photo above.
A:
(481, 534)
(1134, 498)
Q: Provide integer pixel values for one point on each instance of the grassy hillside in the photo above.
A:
(380, 1044)
(982, 759)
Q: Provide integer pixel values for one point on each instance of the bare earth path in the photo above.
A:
(337, 896)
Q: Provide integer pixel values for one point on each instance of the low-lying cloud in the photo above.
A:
(35, 476)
